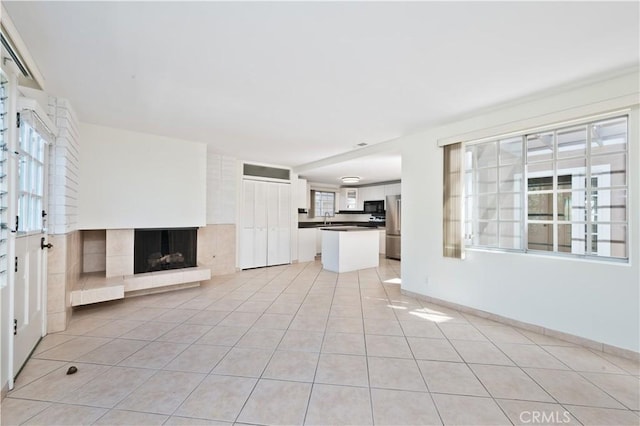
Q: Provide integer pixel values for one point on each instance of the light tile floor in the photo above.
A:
(299, 345)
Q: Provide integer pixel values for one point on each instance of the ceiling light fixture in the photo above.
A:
(350, 179)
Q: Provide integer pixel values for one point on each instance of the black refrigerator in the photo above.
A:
(393, 221)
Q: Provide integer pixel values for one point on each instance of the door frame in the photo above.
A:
(18, 105)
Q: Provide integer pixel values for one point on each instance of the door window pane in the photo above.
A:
(30, 179)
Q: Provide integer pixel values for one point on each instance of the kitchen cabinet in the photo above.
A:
(370, 193)
(364, 195)
(318, 240)
(302, 194)
(307, 244)
(393, 189)
(349, 248)
(376, 193)
(265, 236)
(383, 241)
(348, 199)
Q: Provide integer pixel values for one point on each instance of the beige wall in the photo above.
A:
(64, 266)
(217, 248)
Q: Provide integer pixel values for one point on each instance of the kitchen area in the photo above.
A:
(348, 227)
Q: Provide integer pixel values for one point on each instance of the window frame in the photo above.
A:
(32, 179)
(588, 221)
(319, 210)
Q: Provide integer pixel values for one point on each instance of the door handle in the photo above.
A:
(43, 245)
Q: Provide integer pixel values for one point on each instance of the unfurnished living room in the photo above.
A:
(319, 213)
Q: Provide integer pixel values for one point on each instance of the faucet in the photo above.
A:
(327, 215)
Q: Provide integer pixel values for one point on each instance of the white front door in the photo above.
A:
(30, 261)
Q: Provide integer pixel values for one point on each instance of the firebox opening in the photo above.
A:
(163, 249)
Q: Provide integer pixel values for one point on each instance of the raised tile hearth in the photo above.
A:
(95, 287)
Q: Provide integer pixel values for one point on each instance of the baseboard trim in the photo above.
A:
(582, 341)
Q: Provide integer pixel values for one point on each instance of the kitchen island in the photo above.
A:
(349, 248)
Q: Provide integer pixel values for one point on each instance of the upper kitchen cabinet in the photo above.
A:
(371, 193)
(349, 199)
(393, 189)
(302, 199)
(363, 195)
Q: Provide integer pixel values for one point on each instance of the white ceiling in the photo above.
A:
(291, 83)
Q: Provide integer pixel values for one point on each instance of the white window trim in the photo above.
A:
(524, 190)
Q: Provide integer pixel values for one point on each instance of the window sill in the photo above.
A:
(556, 256)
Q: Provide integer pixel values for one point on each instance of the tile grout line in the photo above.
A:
(435, 406)
(279, 342)
(366, 352)
(315, 373)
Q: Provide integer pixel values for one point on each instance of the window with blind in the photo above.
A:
(563, 190)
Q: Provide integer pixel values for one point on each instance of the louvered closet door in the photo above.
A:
(278, 214)
(253, 238)
(261, 225)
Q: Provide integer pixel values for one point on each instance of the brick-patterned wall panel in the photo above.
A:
(64, 168)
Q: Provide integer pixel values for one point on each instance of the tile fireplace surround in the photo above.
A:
(108, 265)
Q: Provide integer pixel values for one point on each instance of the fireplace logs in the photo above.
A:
(161, 249)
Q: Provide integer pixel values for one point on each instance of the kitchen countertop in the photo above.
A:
(349, 228)
(374, 225)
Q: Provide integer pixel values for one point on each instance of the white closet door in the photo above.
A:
(284, 224)
(253, 236)
(248, 224)
(278, 214)
(266, 224)
(272, 216)
(261, 225)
